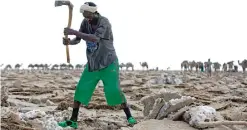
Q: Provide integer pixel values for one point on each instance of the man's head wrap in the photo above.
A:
(88, 6)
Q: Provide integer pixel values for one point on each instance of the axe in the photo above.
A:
(70, 5)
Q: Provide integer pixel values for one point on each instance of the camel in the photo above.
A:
(235, 68)
(230, 65)
(185, 65)
(41, 66)
(7, 67)
(224, 68)
(18, 66)
(122, 65)
(70, 66)
(78, 66)
(128, 65)
(36, 65)
(243, 64)
(63, 66)
(30, 66)
(55, 67)
(144, 64)
(216, 66)
(192, 65)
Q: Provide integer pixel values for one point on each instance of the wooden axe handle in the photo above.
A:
(66, 36)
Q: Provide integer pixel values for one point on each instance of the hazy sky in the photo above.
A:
(161, 32)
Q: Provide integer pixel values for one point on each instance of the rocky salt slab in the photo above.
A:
(151, 95)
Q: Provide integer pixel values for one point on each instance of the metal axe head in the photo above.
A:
(63, 2)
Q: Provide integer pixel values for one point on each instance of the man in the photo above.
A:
(102, 63)
(201, 67)
(209, 64)
(224, 67)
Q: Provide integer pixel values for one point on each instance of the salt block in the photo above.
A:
(149, 101)
(174, 105)
(159, 103)
(200, 114)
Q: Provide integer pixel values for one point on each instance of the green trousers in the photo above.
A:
(109, 76)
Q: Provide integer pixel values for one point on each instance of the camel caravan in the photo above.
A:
(206, 66)
(45, 67)
(64, 66)
(185, 65)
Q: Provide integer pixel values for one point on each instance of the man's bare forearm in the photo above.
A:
(87, 37)
(75, 41)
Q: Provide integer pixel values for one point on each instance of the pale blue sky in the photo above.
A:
(161, 32)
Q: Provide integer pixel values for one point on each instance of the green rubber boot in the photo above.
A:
(132, 120)
(67, 123)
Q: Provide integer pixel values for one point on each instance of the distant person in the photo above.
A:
(235, 68)
(102, 63)
(201, 67)
(209, 69)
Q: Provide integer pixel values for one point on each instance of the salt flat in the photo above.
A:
(38, 99)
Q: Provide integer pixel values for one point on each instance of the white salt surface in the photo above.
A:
(201, 114)
(32, 114)
(48, 121)
(178, 100)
